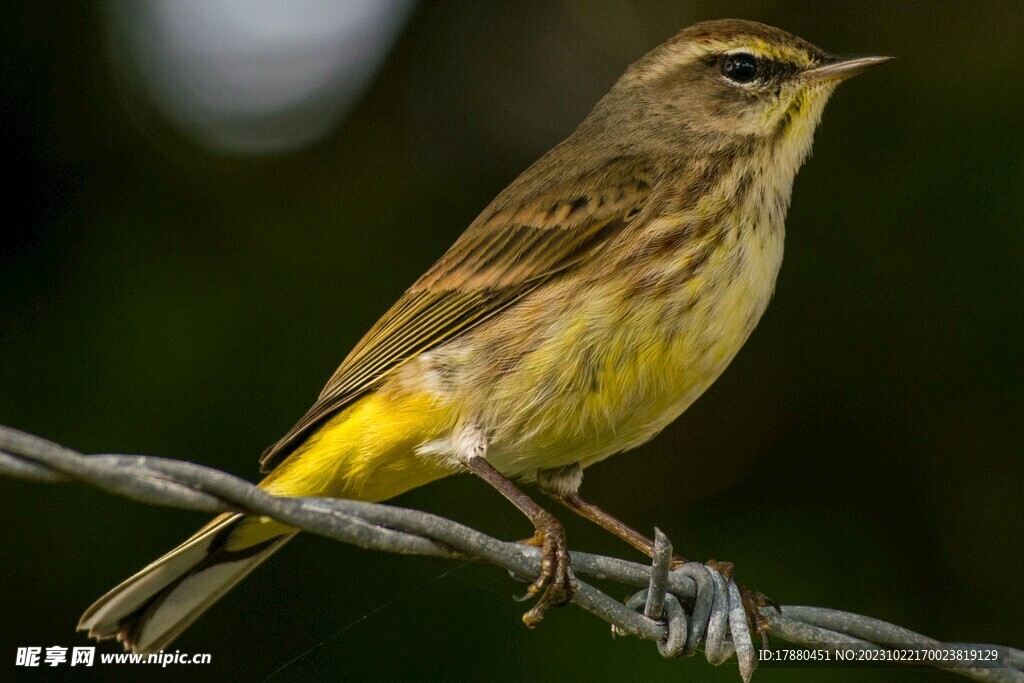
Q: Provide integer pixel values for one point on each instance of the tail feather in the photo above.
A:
(149, 610)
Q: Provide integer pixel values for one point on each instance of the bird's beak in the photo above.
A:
(841, 68)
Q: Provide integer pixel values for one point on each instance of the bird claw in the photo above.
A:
(676, 562)
(555, 583)
(725, 568)
(752, 600)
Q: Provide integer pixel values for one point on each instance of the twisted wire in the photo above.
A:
(684, 610)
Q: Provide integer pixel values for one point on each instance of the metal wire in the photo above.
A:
(683, 610)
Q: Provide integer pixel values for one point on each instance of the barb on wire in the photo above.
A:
(683, 610)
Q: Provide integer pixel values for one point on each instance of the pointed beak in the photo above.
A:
(841, 68)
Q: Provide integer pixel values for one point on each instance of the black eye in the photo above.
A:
(741, 67)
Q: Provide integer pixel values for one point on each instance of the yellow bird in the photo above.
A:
(585, 309)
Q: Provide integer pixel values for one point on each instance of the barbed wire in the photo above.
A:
(686, 609)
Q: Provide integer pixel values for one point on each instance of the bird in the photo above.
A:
(588, 305)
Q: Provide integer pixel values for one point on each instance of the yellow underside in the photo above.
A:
(366, 452)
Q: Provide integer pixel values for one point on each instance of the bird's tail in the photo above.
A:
(150, 609)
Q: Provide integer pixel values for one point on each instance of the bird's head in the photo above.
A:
(731, 82)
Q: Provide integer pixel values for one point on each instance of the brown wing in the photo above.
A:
(513, 247)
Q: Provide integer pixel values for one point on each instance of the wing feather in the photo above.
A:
(511, 249)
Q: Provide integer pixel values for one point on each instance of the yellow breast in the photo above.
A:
(586, 369)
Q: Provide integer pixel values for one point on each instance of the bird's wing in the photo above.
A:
(512, 248)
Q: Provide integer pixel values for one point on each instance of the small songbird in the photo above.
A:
(586, 308)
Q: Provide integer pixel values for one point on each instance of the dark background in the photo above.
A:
(863, 452)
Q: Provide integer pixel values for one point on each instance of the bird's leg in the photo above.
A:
(562, 485)
(555, 582)
(587, 510)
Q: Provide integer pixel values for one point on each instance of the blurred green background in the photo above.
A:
(863, 452)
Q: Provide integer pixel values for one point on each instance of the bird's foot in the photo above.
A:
(752, 600)
(555, 584)
(676, 562)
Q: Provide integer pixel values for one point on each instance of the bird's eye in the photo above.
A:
(740, 68)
